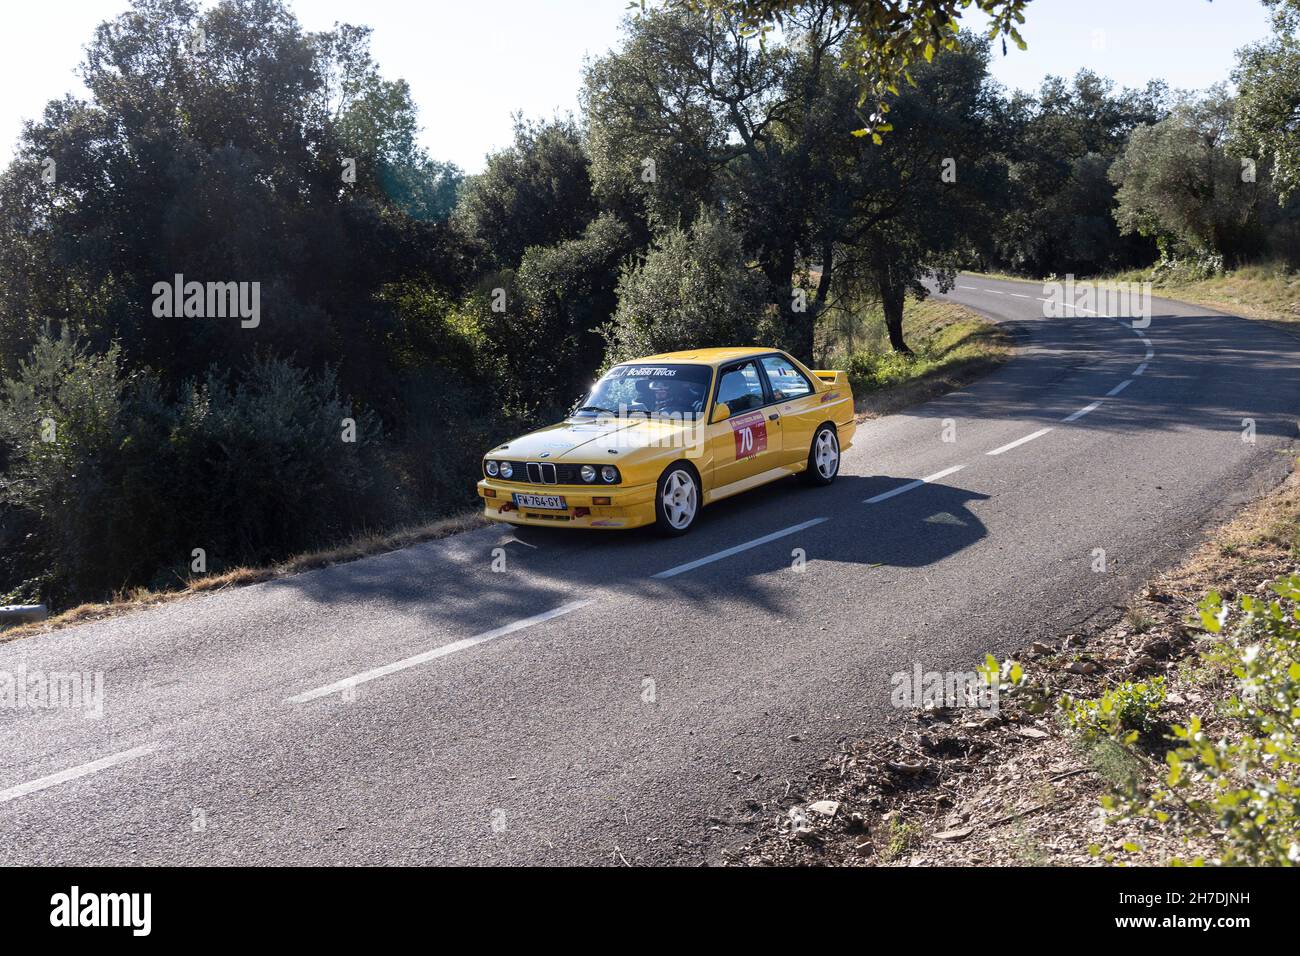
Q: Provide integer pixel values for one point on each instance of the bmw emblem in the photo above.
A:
(546, 454)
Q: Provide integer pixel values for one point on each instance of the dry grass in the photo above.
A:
(1267, 291)
(953, 344)
(360, 547)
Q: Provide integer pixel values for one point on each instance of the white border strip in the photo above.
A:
(1019, 441)
(437, 652)
(912, 484)
(73, 773)
(1075, 416)
(718, 556)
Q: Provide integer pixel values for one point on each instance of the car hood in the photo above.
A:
(594, 439)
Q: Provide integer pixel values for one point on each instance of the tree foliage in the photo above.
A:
(693, 289)
(537, 192)
(884, 42)
(1178, 182)
(1266, 123)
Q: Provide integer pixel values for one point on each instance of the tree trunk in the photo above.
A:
(798, 326)
(891, 301)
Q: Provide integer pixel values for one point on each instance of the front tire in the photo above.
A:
(677, 500)
(823, 457)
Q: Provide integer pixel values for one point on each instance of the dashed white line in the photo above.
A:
(424, 658)
(992, 291)
(1119, 388)
(1140, 369)
(1067, 305)
(975, 288)
(913, 484)
(1020, 295)
(1019, 441)
(72, 773)
(1074, 416)
(718, 556)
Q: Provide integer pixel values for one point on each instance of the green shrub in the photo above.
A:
(870, 371)
(693, 290)
(1241, 787)
(1127, 709)
(263, 468)
(106, 483)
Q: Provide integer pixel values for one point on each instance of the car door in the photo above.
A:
(798, 404)
(749, 441)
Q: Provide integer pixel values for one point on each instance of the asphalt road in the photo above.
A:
(579, 706)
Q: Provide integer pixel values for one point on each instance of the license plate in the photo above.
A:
(553, 502)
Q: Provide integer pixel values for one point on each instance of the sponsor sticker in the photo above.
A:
(750, 432)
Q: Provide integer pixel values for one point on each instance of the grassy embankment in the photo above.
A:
(952, 345)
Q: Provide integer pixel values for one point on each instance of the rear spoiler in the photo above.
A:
(832, 377)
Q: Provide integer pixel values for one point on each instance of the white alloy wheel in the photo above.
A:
(680, 500)
(826, 453)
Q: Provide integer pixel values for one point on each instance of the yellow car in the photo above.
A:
(658, 438)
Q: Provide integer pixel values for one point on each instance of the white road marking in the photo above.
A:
(1083, 411)
(424, 658)
(1150, 355)
(63, 776)
(1067, 305)
(913, 484)
(992, 291)
(700, 562)
(967, 287)
(1020, 295)
(1140, 369)
(1119, 388)
(1019, 441)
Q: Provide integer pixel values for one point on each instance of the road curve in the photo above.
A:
(583, 706)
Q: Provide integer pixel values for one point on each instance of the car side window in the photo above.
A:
(741, 387)
(787, 381)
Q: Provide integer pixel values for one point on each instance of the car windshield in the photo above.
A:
(679, 391)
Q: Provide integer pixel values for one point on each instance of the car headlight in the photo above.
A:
(588, 473)
(609, 473)
(491, 469)
(507, 469)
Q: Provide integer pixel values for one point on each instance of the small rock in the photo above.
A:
(1033, 733)
(1038, 649)
(800, 825)
(824, 808)
(959, 834)
(1082, 667)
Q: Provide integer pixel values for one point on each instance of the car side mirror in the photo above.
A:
(721, 412)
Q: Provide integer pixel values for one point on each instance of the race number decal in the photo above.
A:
(750, 432)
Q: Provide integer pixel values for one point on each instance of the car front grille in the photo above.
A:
(553, 473)
(546, 473)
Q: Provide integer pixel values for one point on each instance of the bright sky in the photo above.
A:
(472, 63)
